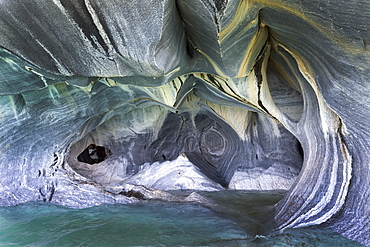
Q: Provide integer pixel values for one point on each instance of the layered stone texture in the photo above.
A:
(199, 94)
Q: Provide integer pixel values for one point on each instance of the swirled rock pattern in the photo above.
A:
(195, 94)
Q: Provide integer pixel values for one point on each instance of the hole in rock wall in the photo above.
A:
(94, 154)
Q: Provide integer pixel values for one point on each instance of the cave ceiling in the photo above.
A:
(99, 98)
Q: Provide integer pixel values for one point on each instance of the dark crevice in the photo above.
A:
(52, 191)
(300, 150)
(189, 49)
(258, 74)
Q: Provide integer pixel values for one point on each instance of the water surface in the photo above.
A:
(237, 219)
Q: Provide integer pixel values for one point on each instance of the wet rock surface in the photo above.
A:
(225, 94)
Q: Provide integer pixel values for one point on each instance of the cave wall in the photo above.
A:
(297, 69)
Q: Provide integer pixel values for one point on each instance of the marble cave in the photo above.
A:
(120, 101)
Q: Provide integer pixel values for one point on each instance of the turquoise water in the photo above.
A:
(238, 217)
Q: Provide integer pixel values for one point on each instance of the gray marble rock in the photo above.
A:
(200, 94)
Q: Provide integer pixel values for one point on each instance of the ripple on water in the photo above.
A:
(155, 223)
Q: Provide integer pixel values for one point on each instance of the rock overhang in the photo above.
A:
(228, 64)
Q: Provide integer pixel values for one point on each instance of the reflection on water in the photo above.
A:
(236, 220)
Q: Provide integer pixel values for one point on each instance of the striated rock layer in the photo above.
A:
(196, 94)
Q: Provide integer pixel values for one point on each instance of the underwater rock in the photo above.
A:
(255, 94)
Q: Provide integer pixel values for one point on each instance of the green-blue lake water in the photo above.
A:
(240, 217)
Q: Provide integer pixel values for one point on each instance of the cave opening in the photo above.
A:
(207, 147)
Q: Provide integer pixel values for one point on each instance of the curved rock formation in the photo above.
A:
(194, 94)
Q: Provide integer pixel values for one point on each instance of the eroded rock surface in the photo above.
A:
(199, 94)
